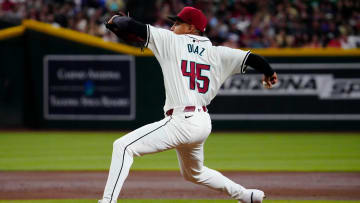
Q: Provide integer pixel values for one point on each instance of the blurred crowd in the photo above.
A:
(234, 23)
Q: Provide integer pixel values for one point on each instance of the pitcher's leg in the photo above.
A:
(191, 160)
(121, 162)
(147, 139)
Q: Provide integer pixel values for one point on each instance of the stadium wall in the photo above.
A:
(64, 79)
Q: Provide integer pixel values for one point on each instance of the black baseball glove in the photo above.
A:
(117, 25)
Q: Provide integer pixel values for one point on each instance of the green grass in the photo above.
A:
(173, 201)
(224, 151)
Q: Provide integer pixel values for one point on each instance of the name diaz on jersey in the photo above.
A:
(195, 49)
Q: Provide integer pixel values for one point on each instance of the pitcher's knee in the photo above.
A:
(120, 146)
(192, 175)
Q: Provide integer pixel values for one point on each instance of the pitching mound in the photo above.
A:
(170, 185)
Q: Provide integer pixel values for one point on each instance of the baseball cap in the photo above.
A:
(191, 16)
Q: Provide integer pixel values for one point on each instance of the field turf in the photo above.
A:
(223, 151)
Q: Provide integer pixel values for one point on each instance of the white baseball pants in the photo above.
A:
(184, 131)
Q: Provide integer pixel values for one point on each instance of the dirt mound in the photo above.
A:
(170, 184)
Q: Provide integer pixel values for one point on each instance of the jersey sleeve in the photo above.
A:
(232, 60)
(159, 41)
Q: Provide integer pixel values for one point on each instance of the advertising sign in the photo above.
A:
(316, 91)
(89, 87)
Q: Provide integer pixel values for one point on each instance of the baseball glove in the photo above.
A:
(126, 37)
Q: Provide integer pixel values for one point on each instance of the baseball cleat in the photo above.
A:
(252, 196)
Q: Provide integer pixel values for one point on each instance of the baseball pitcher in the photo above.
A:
(193, 71)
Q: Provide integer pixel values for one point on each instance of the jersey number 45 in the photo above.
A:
(195, 75)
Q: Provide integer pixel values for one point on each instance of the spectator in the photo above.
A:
(7, 5)
(236, 23)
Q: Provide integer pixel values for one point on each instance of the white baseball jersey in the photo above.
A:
(192, 67)
(193, 72)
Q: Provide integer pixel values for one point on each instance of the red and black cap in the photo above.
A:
(191, 16)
